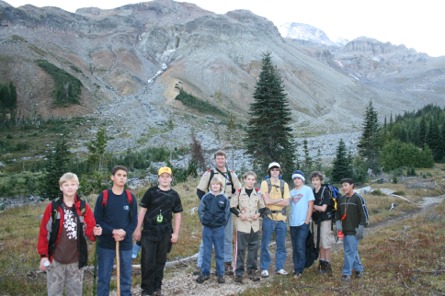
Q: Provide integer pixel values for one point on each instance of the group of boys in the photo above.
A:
(68, 221)
(222, 196)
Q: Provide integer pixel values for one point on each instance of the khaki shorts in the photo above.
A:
(326, 234)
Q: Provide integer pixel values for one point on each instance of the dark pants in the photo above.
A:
(298, 236)
(155, 247)
(247, 241)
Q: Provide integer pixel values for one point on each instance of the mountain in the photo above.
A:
(132, 61)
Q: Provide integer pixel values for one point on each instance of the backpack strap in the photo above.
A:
(212, 173)
(104, 198)
(269, 186)
(55, 225)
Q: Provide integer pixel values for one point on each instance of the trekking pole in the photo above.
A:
(118, 270)
(95, 268)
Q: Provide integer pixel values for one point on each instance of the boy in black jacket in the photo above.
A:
(352, 218)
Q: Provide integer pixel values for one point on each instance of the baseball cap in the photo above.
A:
(273, 165)
(165, 170)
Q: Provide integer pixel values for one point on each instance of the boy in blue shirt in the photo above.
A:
(301, 208)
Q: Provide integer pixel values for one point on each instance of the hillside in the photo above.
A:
(131, 61)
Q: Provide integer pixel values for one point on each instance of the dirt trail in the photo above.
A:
(180, 281)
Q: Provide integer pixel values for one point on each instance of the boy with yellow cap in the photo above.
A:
(159, 206)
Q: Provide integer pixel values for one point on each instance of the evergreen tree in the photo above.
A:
(96, 149)
(55, 166)
(269, 135)
(421, 133)
(433, 139)
(370, 142)
(342, 164)
(307, 164)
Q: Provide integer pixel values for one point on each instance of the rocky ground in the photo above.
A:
(180, 280)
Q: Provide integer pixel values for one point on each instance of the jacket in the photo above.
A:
(356, 213)
(85, 229)
(214, 210)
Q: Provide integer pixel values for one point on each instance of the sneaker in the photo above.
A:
(238, 279)
(228, 269)
(282, 272)
(264, 273)
(202, 278)
(221, 280)
(297, 275)
(359, 274)
(253, 276)
(345, 278)
(197, 271)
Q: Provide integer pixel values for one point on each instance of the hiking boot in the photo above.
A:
(221, 280)
(197, 271)
(328, 268)
(202, 278)
(345, 278)
(282, 272)
(228, 268)
(321, 266)
(253, 276)
(238, 279)
(264, 273)
(297, 275)
(359, 274)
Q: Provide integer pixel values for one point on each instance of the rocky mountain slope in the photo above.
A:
(133, 59)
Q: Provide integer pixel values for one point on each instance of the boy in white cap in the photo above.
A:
(275, 193)
(301, 208)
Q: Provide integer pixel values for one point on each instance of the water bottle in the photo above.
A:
(47, 265)
(340, 236)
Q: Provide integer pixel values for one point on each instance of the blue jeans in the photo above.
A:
(351, 259)
(105, 259)
(215, 237)
(298, 236)
(228, 244)
(269, 226)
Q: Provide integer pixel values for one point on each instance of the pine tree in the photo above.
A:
(308, 162)
(421, 137)
(342, 164)
(269, 135)
(433, 139)
(370, 142)
(56, 165)
(96, 149)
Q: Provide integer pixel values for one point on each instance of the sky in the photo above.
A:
(417, 24)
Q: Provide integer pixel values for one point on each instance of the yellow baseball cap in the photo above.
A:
(165, 170)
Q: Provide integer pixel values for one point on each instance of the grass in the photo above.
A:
(403, 258)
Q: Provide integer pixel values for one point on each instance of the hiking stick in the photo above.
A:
(95, 270)
(118, 270)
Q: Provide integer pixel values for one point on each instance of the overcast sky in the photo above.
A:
(417, 24)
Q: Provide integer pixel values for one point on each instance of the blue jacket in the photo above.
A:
(214, 210)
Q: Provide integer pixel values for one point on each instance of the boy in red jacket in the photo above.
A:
(62, 245)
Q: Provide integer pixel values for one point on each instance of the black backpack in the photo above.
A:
(311, 250)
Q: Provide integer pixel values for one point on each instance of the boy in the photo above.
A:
(62, 242)
(158, 206)
(322, 219)
(231, 184)
(247, 205)
(276, 198)
(352, 218)
(301, 208)
(213, 212)
(118, 219)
